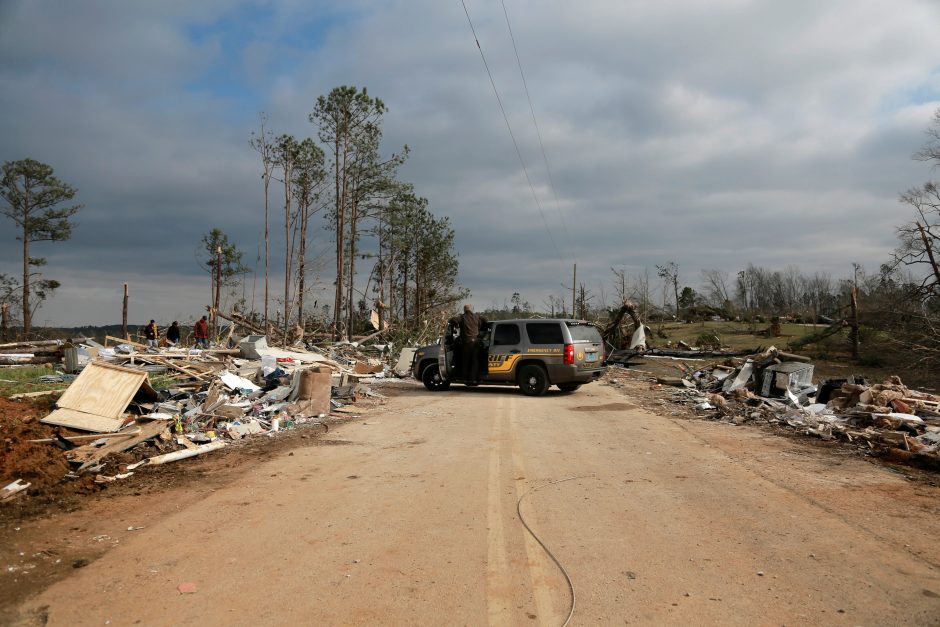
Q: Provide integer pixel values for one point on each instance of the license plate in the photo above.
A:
(590, 357)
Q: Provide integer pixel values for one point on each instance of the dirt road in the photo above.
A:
(410, 517)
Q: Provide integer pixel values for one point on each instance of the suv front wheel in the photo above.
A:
(533, 380)
(431, 377)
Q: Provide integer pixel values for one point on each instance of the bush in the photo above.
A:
(708, 340)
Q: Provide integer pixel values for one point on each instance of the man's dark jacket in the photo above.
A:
(470, 324)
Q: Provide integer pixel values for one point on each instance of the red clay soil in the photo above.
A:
(40, 464)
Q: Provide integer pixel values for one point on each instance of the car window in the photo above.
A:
(506, 334)
(584, 333)
(544, 333)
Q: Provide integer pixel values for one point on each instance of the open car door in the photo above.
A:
(445, 353)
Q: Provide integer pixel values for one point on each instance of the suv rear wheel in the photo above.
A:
(431, 377)
(533, 380)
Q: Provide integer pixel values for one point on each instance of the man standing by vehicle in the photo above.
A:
(470, 325)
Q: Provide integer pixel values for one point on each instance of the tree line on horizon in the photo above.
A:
(411, 264)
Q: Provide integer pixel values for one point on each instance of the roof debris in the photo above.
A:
(772, 387)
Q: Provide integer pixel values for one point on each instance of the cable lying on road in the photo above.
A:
(542, 544)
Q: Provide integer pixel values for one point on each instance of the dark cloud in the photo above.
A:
(729, 132)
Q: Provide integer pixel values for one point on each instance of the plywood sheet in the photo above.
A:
(83, 421)
(103, 389)
(97, 398)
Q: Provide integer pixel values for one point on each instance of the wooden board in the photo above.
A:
(88, 455)
(97, 398)
(103, 389)
(83, 421)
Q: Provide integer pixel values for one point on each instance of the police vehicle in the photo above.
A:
(533, 354)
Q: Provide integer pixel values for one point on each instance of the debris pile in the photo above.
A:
(37, 352)
(776, 388)
(110, 422)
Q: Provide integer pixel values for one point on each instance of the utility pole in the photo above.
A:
(574, 288)
(124, 316)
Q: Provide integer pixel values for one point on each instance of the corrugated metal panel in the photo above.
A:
(97, 398)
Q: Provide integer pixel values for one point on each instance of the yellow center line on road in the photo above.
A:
(498, 584)
(542, 582)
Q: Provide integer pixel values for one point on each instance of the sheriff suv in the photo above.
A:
(532, 354)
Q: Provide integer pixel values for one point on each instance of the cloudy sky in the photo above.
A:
(710, 133)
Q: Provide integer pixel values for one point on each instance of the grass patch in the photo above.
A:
(23, 379)
(734, 335)
(831, 356)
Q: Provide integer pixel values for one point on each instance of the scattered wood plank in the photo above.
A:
(90, 455)
(189, 370)
(119, 340)
(94, 436)
(12, 345)
(17, 397)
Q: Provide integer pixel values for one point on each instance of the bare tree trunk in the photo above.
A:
(854, 325)
(263, 148)
(380, 305)
(287, 250)
(340, 235)
(417, 294)
(404, 294)
(350, 297)
(254, 281)
(929, 250)
(301, 264)
(218, 290)
(27, 315)
(124, 316)
(675, 289)
(267, 253)
(5, 322)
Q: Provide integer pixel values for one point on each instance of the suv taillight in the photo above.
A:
(569, 354)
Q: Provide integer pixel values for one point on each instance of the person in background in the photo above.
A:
(173, 334)
(201, 332)
(151, 333)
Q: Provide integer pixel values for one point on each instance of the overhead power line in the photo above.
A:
(538, 132)
(515, 144)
